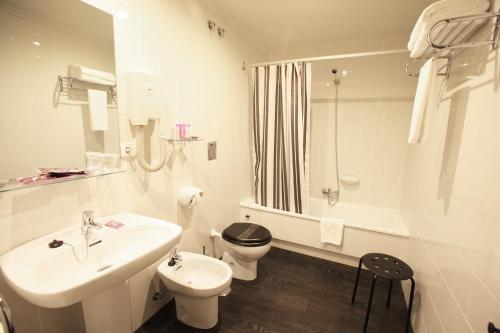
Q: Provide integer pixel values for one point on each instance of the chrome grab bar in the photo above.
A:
(6, 316)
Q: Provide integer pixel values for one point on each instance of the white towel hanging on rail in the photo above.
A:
(98, 110)
(422, 101)
(331, 230)
(426, 100)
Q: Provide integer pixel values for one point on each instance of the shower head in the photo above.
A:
(334, 72)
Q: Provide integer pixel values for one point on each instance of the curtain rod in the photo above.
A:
(330, 57)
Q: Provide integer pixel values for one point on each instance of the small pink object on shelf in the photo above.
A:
(61, 172)
(114, 224)
(48, 175)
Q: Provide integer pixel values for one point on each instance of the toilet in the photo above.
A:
(196, 283)
(247, 243)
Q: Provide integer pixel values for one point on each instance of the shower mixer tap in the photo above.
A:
(333, 195)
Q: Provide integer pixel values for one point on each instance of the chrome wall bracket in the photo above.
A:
(67, 83)
(443, 71)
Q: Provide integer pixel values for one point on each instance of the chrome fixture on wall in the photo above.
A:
(334, 195)
(211, 25)
(221, 32)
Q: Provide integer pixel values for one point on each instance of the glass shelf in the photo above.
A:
(182, 140)
(14, 185)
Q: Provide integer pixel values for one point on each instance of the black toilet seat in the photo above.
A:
(247, 234)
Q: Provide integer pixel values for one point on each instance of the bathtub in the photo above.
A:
(367, 229)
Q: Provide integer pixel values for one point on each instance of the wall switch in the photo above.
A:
(212, 150)
(128, 149)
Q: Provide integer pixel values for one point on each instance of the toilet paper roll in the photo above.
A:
(188, 196)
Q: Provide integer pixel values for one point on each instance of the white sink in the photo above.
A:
(52, 277)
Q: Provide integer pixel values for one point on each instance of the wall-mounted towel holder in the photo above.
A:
(446, 50)
(66, 83)
(443, 71)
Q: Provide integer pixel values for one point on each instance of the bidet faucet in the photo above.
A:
(88, 221)
(175, 259)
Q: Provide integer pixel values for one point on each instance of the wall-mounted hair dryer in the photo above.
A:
(145, 101)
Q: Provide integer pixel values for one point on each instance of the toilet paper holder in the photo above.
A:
(188, 196)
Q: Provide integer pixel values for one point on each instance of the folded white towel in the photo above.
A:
(91, 75)
(91, 79)
(332, 230)
(98, 110)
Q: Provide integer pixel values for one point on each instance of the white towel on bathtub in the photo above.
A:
(332, 230)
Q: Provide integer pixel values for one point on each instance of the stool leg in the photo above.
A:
(389, 295)
(356, 283)
(372, 290)
(410, 305)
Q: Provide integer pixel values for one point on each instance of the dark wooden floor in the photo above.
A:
(293, 294)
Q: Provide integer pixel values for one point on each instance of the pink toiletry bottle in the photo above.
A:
(182, 131)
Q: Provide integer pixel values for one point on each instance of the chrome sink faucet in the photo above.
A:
(88, 221)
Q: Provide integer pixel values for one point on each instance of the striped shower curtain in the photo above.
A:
(281, 118)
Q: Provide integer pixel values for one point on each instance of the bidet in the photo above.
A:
(196, 286)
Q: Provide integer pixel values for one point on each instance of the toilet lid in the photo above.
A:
(247, 234)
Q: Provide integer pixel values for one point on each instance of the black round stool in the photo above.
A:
(391, 268)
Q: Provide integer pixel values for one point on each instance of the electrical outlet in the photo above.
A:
(128, 149)
(212, 150)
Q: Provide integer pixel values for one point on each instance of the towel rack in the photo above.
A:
(66, 83)
(470, 18)
(443, 71)
(436, 48)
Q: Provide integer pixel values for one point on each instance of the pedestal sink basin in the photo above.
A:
(53, 277)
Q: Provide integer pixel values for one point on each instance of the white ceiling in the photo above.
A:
(73, 14)
(286, 24)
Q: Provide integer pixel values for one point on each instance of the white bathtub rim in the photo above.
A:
(348, 224)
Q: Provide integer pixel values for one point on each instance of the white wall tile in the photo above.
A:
(206, 87)
(450, 201)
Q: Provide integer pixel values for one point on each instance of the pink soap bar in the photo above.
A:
(114, 224)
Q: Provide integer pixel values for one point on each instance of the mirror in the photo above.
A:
(56, 122)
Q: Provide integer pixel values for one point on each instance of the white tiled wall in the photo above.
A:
(375, 98)
(206, 87)
(451, 200)
(450, 189)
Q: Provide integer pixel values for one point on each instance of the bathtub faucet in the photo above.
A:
(333, 195)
